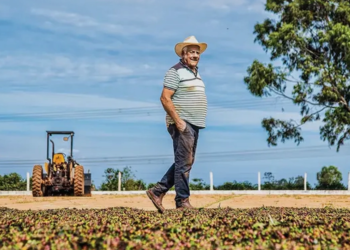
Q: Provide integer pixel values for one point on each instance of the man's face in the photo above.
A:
(192, 56)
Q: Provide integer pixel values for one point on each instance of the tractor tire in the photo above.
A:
(37, 181)
(79, 181)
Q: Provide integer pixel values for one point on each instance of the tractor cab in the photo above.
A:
(63, 174)
(59, 161)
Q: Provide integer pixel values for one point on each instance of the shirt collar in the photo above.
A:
(187, 66)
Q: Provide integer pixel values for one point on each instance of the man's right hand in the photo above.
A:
(170, 109)
(181, 125)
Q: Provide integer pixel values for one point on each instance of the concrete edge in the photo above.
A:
(208, 192)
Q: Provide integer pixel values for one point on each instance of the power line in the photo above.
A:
(167, 162)
(219, 153)
(247, 155)
(100, 113)
(142, 108)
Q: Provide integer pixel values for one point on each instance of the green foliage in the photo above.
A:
(330, 178)
(195, 184)
(128, 181)
(132, 184)
(13, 182)
(151, 185)
(237, 186)
(217, 228)
(198, 184)
(296, 183)
(312, 39)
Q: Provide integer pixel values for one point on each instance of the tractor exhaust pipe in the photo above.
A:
(53, 148)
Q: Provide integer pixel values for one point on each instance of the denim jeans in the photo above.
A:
(184, 144)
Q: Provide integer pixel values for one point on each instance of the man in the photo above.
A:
(184, 100)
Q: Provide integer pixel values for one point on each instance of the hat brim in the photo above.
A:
(180, 46)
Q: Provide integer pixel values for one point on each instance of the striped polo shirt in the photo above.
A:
(189, 99)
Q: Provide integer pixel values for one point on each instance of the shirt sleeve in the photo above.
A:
(171, 79)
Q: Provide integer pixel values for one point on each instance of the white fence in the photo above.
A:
(208, 192)
(211, 178)
(211, 191)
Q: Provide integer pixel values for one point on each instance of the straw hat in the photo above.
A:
(191, 40)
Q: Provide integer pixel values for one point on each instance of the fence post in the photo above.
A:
(259, 183)
(211, 182)
(349, 181)
(305, 181)
(119, 181)
(28, 181)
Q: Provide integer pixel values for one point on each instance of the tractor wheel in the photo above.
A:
(37, 181)
(79, 181)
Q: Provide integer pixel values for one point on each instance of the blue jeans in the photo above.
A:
(184, 144)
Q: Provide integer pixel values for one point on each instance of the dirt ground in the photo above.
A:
(206, 201)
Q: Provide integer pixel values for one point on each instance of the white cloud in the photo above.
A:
(43, 67)
(68, 18)
(110, 24)
(58, 101)
(79, 21)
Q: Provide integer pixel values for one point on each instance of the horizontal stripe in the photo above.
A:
(171, 79)
(189, 98)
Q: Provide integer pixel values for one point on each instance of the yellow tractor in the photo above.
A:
(63, 175)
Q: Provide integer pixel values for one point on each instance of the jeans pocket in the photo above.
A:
(171, 130)
(185, 129)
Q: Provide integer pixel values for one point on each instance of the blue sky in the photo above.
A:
(71, 56)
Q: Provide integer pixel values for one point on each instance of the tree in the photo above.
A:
(269, 177)
(312, 38)
(195, 184)
(198, 184)
(235, 185)
(151, 185)
(111, 182)
(329, 178)
(294, 183)
(128, 180)
(270, 183)
(297, 183)
(12, 182)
